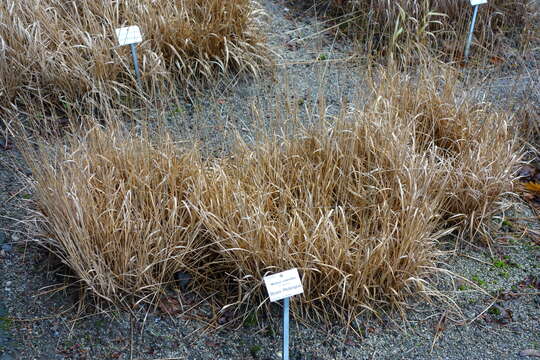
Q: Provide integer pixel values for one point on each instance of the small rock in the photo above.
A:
(8, 283)
(2, 253)
(530, 352)
(6, 247)
(15, 237)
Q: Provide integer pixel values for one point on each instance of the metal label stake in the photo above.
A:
(286, 328)
(282, 286)
(476, 4)
(131, 35)
(136, 64)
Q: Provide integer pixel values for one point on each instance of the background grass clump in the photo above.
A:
(64, 52)
(396, 26)
(357, 202)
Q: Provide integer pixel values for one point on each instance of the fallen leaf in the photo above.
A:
(529, 352)
(211, 343)
(507, 295)
(496, 60)
(225, 317)
(170, 306)
(508, 314)
(534, 187)
(504, 318)
(440, 327)
(535, 239)
(530, 281)
(487, 318)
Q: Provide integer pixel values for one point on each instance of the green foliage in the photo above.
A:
(478, 281)
(254, 350)
(500, 263)
(250, 320)
(5, 323)
(494, 310)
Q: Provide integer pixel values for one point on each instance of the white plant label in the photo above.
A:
(478, 2)
(283, 285)
(128, 35)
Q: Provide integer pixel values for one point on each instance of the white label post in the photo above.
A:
(474, 3)
(280, 286)
(131, 35)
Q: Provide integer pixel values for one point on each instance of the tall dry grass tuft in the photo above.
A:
(473, 152)
(62, 52)
(112, 208)
(348, 205)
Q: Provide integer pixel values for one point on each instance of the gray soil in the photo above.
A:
(491, 309)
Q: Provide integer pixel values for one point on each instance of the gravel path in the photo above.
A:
(494, 315)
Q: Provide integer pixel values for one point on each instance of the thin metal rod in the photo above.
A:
(471, 31)
(286, 329)
(136, 64)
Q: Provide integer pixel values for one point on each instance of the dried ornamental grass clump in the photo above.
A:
(113, 209)
(357, 203)
(348, 206)
(63, 51)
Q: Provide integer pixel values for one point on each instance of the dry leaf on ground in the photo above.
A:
(534, 187)
(170, 306)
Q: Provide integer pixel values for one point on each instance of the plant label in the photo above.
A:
(128, 35)
(478, 2)
(283, 285)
